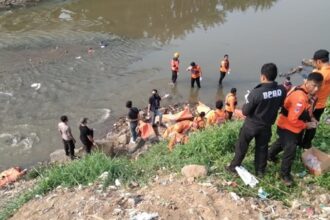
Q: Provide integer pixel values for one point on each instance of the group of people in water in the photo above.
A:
(196, 71)
(297, 109)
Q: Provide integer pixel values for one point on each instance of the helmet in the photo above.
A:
(176, 55)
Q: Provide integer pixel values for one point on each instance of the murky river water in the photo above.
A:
(46, 70)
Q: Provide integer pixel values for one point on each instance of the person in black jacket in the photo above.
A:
(133, 118)
(261, 109)
(86, 135)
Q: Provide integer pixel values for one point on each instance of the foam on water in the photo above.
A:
(6, 94)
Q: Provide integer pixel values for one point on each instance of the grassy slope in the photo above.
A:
(213, 147)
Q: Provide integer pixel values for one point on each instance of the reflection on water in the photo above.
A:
(193, 96)
(219, 94)
(157, 19)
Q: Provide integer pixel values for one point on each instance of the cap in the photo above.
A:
(321, 54)
(176, 55)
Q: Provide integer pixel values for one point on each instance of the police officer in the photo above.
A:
(295, 116)
(261, 110)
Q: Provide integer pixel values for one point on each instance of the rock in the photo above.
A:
(59, 156)
(324, 199)
(123, 139)
(295, 204)
(134, 200)
(105, 146)
(194, 171)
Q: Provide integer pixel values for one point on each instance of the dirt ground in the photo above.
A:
(166, 198)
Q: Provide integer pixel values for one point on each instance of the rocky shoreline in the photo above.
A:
(7, 4)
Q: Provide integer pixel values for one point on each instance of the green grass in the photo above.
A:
(213, 147)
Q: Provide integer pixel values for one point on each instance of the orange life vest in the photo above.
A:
(231, 102)
(296, 111)
(324, 91)
(224, 66)
(217, 117)
(195, 71)
(175, 65)
(199, 123)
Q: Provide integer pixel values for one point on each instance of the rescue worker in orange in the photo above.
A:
(224, 68)
(218, 116)
(321, 63)
(175, 67)
(196, 74)
(231, 102)
(296, 115)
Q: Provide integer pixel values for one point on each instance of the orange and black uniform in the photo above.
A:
(195, 75)
(175, 69)
(224, 68)
(231, 102)
(322, 96)
(261, 110)
(295, 112)
(217, 117)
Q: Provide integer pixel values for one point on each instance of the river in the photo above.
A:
(46, 70)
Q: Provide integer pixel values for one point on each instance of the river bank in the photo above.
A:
(150, 183)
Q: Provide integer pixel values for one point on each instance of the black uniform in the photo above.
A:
(261, 110)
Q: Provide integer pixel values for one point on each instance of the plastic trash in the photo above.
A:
(36, 86)
(246, 176)
(78, 57)
(234, 196)
(103, 44)
(117, 182)
(302, 174)
(145, 216)
(262, 193)
(166, 95)
(200, 79)
(312, 162)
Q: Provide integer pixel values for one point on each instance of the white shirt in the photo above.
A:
(65, 131)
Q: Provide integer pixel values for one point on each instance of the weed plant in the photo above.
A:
(213, 147)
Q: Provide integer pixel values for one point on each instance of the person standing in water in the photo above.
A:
(196, 74)
(175, 67)
(224, 68)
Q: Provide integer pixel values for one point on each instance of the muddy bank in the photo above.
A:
(5, 4)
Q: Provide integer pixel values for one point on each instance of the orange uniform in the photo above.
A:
(217, 117)
(296, 111)
(224, 66)
(231, 102)
(175, 65)
(196, 71)
(199, 122)
(324, 91)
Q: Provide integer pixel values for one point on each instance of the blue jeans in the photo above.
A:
(133, 125)
(154, 114)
